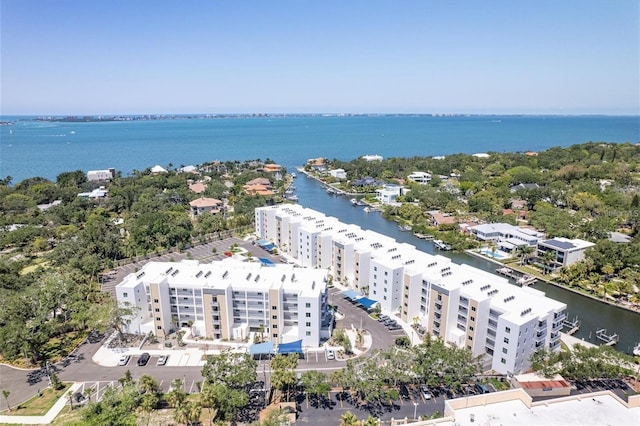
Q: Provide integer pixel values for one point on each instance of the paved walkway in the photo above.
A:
(47, 418)
(572, 341)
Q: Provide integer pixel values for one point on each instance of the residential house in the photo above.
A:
(198, 187)
(338, 174)
(422, 178)
(206, 205)
(520, 186)
(388, 194)
(437, 218)
(372, 157)
(505, 236)
(566, 252)
(101, 175)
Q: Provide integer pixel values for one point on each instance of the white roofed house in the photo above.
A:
(388, 194)
(338, 174)
(422, 178)
(565, 252)
(507, 237)
(206, 205)
(101, 175)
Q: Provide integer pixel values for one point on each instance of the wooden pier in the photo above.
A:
(520, 278)
(608, 339)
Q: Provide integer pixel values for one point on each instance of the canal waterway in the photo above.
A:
(593, 315)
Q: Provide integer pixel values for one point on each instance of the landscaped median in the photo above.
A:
(42, 408)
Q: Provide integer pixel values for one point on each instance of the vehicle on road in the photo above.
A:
(124, 359)
(162, 360)
(424, 391)
(331, 354)
(144, 359)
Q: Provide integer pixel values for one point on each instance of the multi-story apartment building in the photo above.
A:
(229, 299)
(463, 305)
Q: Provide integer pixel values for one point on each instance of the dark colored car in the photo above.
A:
(144, 359)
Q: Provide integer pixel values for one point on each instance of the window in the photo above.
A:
(504, 350)
(274, 326)
(308, 333)
(470, 338)
(473, 309)
(308, 314)
(157, 318)
(472, 318)
(275, 317)
(275, 335)
(507, 330)
(385, 297)
(307, 305)
(273, 307)
(386, 273)
(470, 328)
(375, 268)
(159, 327)
(157, 309)
(308, 324)
(506, 340)
(155, 301)
(502, 360)
(125, 295)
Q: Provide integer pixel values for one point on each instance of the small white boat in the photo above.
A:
(366, 210)
(293, 175)
(441, 245)
(354, 202)
(636, 349)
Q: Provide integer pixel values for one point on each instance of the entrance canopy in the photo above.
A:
(351, 294)
(265, 261)
(290, 348)
(366, 302)
(261, 348)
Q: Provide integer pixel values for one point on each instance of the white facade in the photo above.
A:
(506, 236)
(99, 175)
(388, 194)
(338, 174)
(422, 178)
(228, 299)
(462, 305)
(566, 251)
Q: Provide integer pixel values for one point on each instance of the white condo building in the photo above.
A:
(229, 299)
(463, 305)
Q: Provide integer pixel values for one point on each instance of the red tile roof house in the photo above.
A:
(438, 218)
(205, 205)
(198, 187)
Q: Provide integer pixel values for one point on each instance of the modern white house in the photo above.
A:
(388, 194)
(422, 178)
(229, 299)
(338, 174)
(374, 157)
(461, 304)
(566, 251)
(505, 236)
(101, 175)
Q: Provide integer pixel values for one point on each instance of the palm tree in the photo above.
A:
(349, 419)
(371, 421)
(148, 384)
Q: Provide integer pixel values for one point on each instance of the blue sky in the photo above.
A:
(114, 57)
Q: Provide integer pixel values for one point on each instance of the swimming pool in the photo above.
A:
(500, 255)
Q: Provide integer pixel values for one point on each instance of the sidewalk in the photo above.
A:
(47, 418)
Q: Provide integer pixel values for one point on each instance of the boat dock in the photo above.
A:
(571, 325)
(520, 278)
(608, 339)
(441, 245)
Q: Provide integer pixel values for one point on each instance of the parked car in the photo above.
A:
(382, 318)
(124, 359)
(331, 355)
(424, 391)
(162, 360)
(393, 327)
(144, 359)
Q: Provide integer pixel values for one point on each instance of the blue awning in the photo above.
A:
(265, 261)
(366, 302)
(290, 348)
(261, 348)
(262, 242)
(351, 294)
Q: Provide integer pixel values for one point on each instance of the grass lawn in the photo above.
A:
(39, 405)
(68, 417)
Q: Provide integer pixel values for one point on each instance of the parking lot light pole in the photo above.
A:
(415, 410)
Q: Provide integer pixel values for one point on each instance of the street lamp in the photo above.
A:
(415, 410)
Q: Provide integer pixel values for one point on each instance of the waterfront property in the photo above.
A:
(566, 252)
(205, 205)
(229, 299)
(463, 305)
(101, 175)
(388, 194)
(506, 237)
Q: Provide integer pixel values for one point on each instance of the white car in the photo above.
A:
(124, 359)
(331, 355)
(424, 390)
